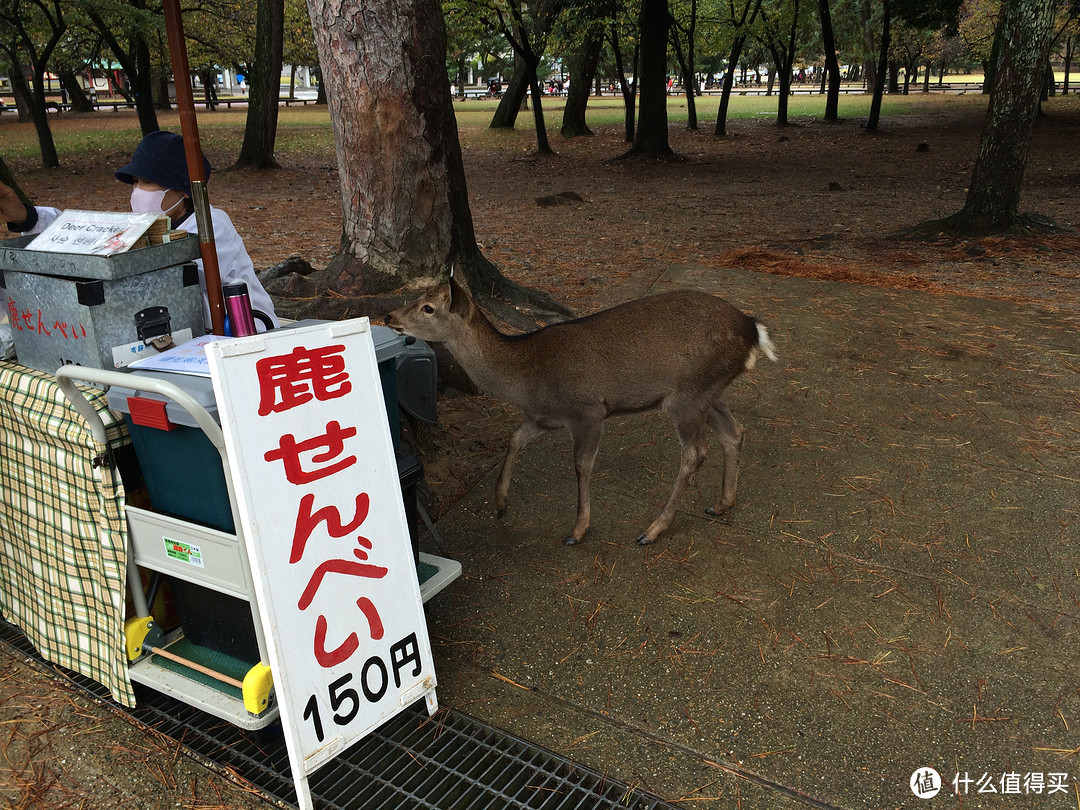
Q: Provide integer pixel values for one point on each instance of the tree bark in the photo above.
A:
(994, 193)
(260, 129)
(405, 202)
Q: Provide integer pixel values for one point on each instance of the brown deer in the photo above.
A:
(674, 351)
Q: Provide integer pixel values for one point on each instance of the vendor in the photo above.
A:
(158, 176)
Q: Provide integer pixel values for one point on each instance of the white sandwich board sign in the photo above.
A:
(318, 494)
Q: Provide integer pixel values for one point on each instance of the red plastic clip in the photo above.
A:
(149, 413)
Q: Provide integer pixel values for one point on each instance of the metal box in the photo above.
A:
(81, 310)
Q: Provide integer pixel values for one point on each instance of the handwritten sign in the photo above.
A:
(321, 511)
(29, 320)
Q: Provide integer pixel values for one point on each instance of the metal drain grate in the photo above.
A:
(413, 762)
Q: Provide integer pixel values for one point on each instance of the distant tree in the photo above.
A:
(780, 31)
(34, 28)
(832, 64)
(651, 135)
(260, 128)
(993, 198)
(741, 19)
(880, 72)
(528, 37)
(128, 30)
(627, 87)
(686, 23)
(583, 60)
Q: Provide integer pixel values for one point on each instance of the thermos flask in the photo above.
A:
(238, 308)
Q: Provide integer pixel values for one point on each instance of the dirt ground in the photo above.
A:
(810, 200)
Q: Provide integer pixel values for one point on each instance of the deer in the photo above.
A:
(674, 351)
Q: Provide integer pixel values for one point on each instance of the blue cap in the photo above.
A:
(160, 158)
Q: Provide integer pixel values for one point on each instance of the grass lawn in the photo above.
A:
(307, 129)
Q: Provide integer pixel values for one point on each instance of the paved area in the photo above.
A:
(896, 589)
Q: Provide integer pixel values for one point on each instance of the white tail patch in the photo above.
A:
(764, 346)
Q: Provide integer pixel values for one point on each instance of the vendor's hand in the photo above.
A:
(12, 209)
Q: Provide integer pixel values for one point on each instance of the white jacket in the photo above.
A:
(234, 264)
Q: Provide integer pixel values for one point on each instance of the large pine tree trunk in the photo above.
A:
(391, 127)
(405, 203)
(260, 129)
(994, 193)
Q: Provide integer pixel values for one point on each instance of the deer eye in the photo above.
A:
(427, 309)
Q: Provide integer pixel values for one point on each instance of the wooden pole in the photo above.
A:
(189, 128)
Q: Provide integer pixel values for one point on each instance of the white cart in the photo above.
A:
(164, 544)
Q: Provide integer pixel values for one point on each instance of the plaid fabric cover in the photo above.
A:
(63, 532)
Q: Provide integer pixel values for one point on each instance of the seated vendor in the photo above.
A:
(158, 176)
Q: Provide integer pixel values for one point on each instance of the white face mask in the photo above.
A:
(144, 201)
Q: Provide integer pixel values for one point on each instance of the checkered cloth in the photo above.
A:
(62, 529)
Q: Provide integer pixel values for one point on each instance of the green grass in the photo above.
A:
(307, 129)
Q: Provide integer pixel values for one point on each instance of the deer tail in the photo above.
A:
(762, 345)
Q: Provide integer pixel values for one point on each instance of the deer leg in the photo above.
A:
(526, 432)
(730, 433)
(586, 444)
(693, 453)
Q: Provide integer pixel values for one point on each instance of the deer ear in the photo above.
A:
(460, 298)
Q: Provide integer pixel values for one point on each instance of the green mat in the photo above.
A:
(212, 659)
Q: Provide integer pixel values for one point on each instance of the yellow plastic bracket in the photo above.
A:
(135, 632)
(257, 685)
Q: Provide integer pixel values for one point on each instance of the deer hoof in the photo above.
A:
(500, 511)
(572, 541)
(645, 540)
(717, 511)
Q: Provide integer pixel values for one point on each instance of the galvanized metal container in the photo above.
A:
(68, 308)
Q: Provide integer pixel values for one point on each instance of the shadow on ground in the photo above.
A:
(897, 587)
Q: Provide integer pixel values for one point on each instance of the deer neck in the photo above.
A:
(491, 359)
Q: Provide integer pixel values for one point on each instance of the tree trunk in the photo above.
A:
(687, 79)
(583, 62)
(729, 81)
(40, 116)
(405, 202)
(80, 102)
(511, 102)
(628, 90)
(651, 137)
(260, 129)
(880, 75)
(20, 89)
(543, 147)
(994, 193)
(1068, 65)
